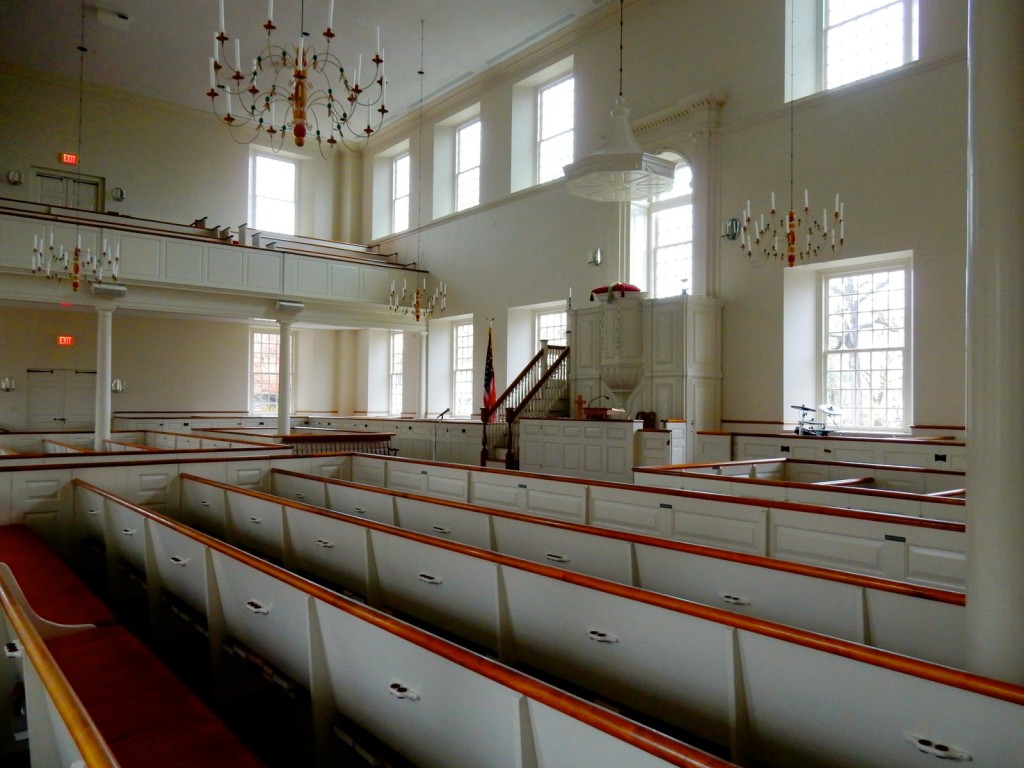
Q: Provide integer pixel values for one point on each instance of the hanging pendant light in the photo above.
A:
(620, 171)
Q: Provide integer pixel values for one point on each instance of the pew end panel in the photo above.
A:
(266, 614)
(436, 480)
(819, 715)
(923, 629)
(453, 592)
(302, 489)
(368, 470)
(204, 507)
(256, 524)
(331, 549)
(450, 523)
(578, 551)
(727, 525)
(629, 510)
(432, 711)
(41, 499)
(673, 666)
(828, 607)
(497, 490)
(363, 502)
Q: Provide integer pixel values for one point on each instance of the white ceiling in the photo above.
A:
(164, 50)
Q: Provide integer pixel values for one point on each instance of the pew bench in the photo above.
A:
(112, 686)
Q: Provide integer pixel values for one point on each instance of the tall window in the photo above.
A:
(866, 37)
(467, 165)
(397, 343)
(462, 389)
(263, 367)
(866, 346)
(272, 193)
(551, 328)
(661, 239)
(555, 124)
(400, 185)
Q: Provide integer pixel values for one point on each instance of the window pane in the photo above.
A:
(551, 328)
(864, 342)
(400, 183)
(555, 125)
(273, 194)
(467, 166)
(265, 361)
(866, 37)
(397, 362)
(463, 390)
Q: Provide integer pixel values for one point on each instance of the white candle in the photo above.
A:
(216, 48)
(221, 4)
(330, 14)
(359, 68)
(273, 113)
(378, 39)
(228, 94)
(837, 201)
(805, 199)
(238, 54)
(213, 76)
(773, 201)
(298, 59)
(270, 10)
(841, 206)
(824, 217)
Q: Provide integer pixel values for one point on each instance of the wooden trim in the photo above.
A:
(788, 566)
(82, 729)
(651, 741)
(884, 659)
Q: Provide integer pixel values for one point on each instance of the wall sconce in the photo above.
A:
(117, 386)
(117, 193)
(732, 229)
(594, 257)
(7, 384)
(14, 177)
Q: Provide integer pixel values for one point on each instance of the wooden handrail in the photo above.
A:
(876, 657)
(69, 707)
(544, 379)
(486, 414)
(787, 566)
(654, 742)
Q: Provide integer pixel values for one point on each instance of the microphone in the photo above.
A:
(442, 413)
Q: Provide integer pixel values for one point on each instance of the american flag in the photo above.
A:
(490, 391)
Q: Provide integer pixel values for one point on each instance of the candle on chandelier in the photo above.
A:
(378, 39)
(270, 10)
(213, 75)
(330, 14)
(238, 54)
(805, 199)
(221, 15)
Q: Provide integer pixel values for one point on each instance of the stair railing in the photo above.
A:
(543, 381)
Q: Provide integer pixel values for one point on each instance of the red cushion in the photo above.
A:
(146, 715)
(50, 586)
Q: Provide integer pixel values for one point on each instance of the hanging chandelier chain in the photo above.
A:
(760, 237)
(622, 4)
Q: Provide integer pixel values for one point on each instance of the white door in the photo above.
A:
(68, 191)
(61, 399)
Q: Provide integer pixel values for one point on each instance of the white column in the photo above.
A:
(104, 324)
(995, 329)
(706, 185)
(421, 395)
(284, 380)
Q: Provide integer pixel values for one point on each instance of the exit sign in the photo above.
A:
(69, 158)
(65, 341)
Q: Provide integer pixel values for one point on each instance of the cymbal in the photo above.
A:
(828, 410)
(802, 407)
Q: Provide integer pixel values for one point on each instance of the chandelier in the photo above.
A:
(296, 89)
(418, 302)
(793, 236)
(78, 266)
(619, 171)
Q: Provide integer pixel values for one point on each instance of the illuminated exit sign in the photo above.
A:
(69, 158)
(65, 341)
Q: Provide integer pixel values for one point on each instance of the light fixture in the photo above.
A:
(296, 89)
(619, 171)
(802, 237)
(14, 178)
(7, 384)
(117, 193)
(594, 257)
(117, 386)
(54, 260)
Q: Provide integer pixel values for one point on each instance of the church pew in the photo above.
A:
(921, 622)
(691, 664)
(96, 692)
(432, 701)
(903, 547)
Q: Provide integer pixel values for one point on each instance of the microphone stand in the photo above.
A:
(433, 450)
